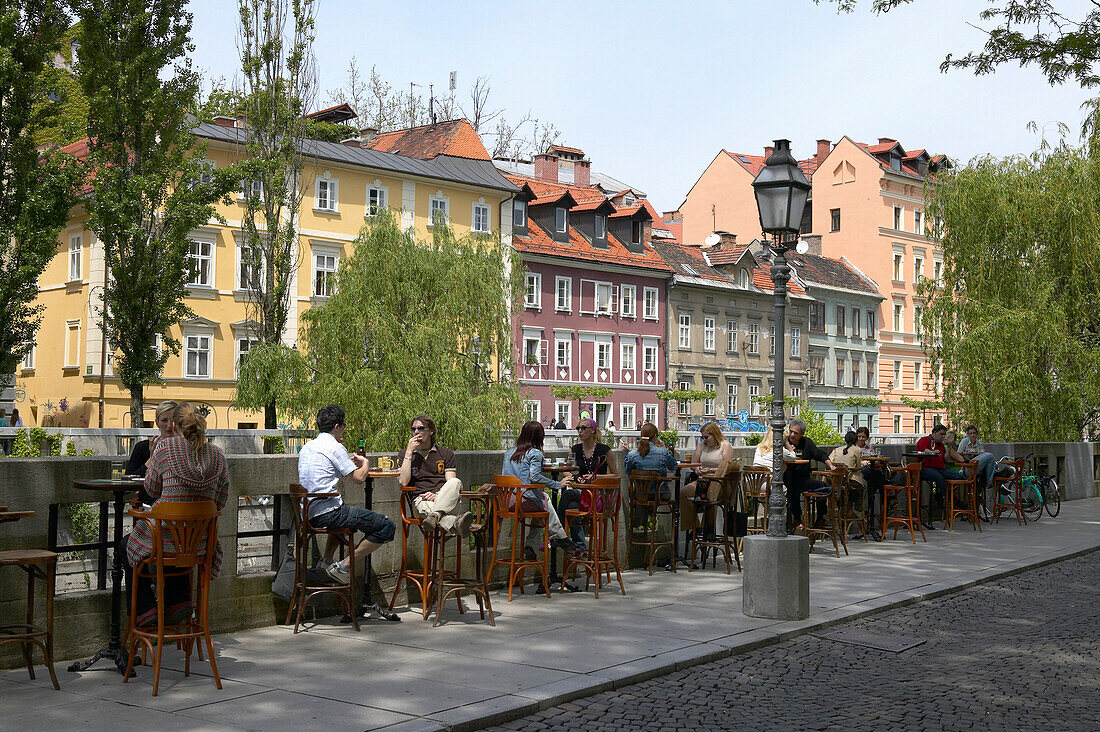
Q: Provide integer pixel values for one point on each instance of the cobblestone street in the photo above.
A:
(1019, 653)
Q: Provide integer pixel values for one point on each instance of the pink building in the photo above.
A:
(594, 308)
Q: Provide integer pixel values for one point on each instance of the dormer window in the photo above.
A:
(600, 226)
(636, 230)
(743, 279)
(629, 200)
(519, 214)
(561, 220)
(895, 161)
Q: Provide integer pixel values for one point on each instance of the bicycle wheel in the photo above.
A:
(1032, 502)
(1053, 497)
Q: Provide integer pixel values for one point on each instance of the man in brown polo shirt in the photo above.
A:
(430, 469)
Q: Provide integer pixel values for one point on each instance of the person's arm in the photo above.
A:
(670, 461)
(404, 472)
(450, 469)
(362, 466)
(816, 453)
(153, 478)
(138, 457)
(727, 451)
(350, 465)
(609, 461)
(534, 458)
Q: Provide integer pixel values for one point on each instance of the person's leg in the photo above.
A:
(568, 499)
(177, 589)
(445, 503)
(376, 528)
(938, 489)
(987, 465)
(794, 499)
(688, 517)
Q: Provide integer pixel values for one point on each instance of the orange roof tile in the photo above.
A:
(563, 148)
(702, 263)
(455, 137)
(537, 241)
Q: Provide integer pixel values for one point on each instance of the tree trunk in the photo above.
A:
(270, 421)
(137, 404)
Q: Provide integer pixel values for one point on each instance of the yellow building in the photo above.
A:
(424, 171)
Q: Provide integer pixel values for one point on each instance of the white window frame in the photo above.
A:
(190, 347)
(483, 223)
(710, 403)
(756, 408)
(899, 267)
(242, 281)
(869, 374)
(918, 376)
(796, 393)
(841, 368)
(603, 355)
(559, 352)
(627, 416)
(629, 296)
(683, 330)
(193, 258)
(754, 339)
(563, 409)
(627, 355)
(534, 415)
(438, 203)
(519, 214)
(796, 342)
(539, 350)
(27, 363)
(240, 338)
(899, 317)
(647, 361)
(206, 171)
(532, 294)
(331, 201)
(710, 327)
(683, 408)
(732, 388)
(897, 424)
(937, 271)
(872, 323)
(381, 195)
(563, 300)
(599, 226)
(637, 232)
(327, 253)
(771, 342)
(72, 360)
(650, 303)
(854, 375)
(897, 374)
(561, 220)
(918, 423)
(650, 412)
(731, 336)
(251, 188)
(918, 269)
(917, 219)
(899, 218)
(606, 298)
(76, 249)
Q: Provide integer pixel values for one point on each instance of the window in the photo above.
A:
(897, 424)
(252, 189)
(603, 355)
(743, 279)
(897, 374)
(684, 407)
(841, 328)
(650, 357)
(918, 270)
(197, 356)
(206, 173)
(871, 375)
(771, 341)
(481, 221)
(685, 330)
(817, 317)
(897, 217)
(918, 313)
(561, 220)
(533, 295)
(376, 200)
(898, 264)
(564, 299)
(531, 409)
(75, 248)
(626, 355)
(605, 298)
(324, 274)
(709, 401)
(917, 223)
(28, 359)
(839, 371)
(796, 342)
(519, 214)
(708, 333)
(249, 267)
(796, 393)
(839, 422)
(855, 322)
(872, 316)
(917, 424)
(565, 354)
(649, 311)
(754, 400)
(326, 194)
(564, 411)
(626, 417)
(244, 345)
(754, 338)
(599, 226)
(899, 311)
(834, 216)
(636, 232)
(817, 369)
(629, 307)
(731, 335)
(438, 210)
(200, 256)
(72, 343)
(731, 398)
(649, 413)
(855, 374)
(918, 376)
(532, 351)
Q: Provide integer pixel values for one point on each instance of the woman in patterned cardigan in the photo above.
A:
(184, 467)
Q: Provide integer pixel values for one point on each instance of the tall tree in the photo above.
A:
(36, 190)
(279, 85)
(150, 188)
(413, 327)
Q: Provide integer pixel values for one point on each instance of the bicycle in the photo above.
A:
(1046, 488)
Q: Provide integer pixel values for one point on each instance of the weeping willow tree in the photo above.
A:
(413, 327)
(1015, 322)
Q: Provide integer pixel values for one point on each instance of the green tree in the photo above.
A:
(581, 393)
(1015, 322)
(36, 190)
(279, 83)
(413, 327)
(856, 403)
(149, 188)
(1064, 45)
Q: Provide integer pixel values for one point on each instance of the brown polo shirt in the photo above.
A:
(429, 472)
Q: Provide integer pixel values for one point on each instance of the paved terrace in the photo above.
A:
(466, 675)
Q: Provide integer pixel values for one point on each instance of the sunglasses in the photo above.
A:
(582, 427)
(421, 428)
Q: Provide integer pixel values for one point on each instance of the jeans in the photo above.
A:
(570, 498)
(376, 528)
(938, 478)
(796, 488)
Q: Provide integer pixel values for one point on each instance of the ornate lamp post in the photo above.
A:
(776, 581)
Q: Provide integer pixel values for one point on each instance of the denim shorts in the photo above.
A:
(376, 528)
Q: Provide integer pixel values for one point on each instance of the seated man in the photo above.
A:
(321, 463)
(972, 449)
(430, 469)
(799, 477)
(874, 476)
(934, 468)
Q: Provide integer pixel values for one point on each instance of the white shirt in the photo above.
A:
(322, 462)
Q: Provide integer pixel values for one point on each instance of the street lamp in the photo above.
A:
(777, 568)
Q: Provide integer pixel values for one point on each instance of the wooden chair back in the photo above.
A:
(182, 531)
(644, 482)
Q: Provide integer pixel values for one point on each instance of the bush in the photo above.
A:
(754, 439)
(670, 438)
(274, 445)
(70, 448)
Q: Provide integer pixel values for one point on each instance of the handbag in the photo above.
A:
(586, 495)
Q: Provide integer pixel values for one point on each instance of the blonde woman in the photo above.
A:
(762, 458)
(142, 452)
(713, 449)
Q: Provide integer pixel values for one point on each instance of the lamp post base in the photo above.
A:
(776, 580)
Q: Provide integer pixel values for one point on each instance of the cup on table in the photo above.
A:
(116, 469)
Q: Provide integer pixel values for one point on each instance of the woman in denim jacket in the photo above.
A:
(651, 454)
(525, 462)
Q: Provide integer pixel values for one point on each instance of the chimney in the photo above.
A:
(814, 242)
(768, 150)
(582, 173)
(726, 240)
(223, 121)
(546, 168)
(242, 121)
(823, 148)
(885, 140)
(367, 134)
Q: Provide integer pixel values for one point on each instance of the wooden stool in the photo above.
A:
(967, 503)
(422, 578)
(1014, 500)
(603, 515)
(757, 489)
(304, 532)
(642, 484)
(509, 505)
(452, 582)
(847, 513)
(728, 498)
(910, 494)
(837, 480)
(38, 564)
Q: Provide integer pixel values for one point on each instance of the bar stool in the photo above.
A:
(836, 479)
(966, 505)
(757, 489)
(38, 564)
(645, 493)
(603, 515)
(422, 578)
(453, 582)
(1013, 486)
(910, 493)
(509, 505)
(303, 533)
(847, 513)
(725, 502)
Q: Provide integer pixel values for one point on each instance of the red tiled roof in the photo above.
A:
(828, 271)
(455, 137)
(563, 148)
(537, 241)
(552, 197)
(580, 194)
(753, 163)
(697, 258)
(719, 255)
(629, 211)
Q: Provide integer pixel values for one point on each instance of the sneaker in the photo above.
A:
(340, 574)
(564, 543)
(462, 526)
(429, 522)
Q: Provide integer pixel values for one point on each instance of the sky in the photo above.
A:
(653, 91)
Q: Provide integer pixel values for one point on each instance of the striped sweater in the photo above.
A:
(178, 474)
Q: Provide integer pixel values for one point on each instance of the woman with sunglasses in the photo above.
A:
(592, 458)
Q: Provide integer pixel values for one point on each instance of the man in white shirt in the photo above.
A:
(321, 463)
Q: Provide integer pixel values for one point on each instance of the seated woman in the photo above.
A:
(592, 458)
(184, 467)
(143, 450)
(851, 457)
(525, 463)
(972, 449)
(763, 456)
(874, 476)
(651, 454)
(713, 449)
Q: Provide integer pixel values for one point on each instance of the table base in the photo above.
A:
(118, 655)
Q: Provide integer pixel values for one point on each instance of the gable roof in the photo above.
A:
(754, 163)
(336, 114)
(828, 272)
(696, 266)
(455, 138)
